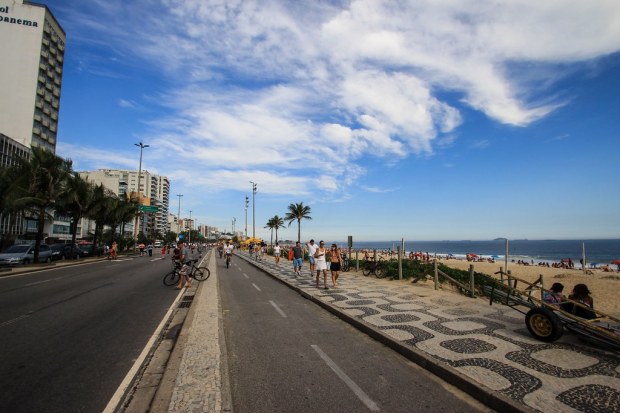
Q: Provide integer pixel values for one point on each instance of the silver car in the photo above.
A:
(24, 254)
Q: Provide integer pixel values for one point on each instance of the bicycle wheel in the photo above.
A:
(201, 274)
(227, 262)
(172, 278)
(367, 269)
(381, 271)
(345, 265)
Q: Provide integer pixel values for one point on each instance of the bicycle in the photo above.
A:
(346, 264)
(197, 273)
(378, 268)
(228, 260)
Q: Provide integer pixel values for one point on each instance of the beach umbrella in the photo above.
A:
(473, 255)
(616, 262)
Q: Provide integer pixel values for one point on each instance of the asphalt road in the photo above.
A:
(287, 354)
(70, 335)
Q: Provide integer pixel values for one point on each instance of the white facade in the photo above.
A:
(32, 46)
(154, 190)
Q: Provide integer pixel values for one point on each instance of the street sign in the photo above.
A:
(149, 208)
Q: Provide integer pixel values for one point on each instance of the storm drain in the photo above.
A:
(186, 302)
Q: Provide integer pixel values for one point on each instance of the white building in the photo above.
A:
(154, 191)
(32, 46)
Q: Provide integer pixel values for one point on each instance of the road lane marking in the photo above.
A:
(246, 276)
(278, 309)
(256, 286)
(372, 406)
(42, 282)
(16, 319)
(118, 395)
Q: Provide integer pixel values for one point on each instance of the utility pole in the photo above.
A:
(247, 203)
(191, 225)
(136, 229)
(179, 216)
(253, 209)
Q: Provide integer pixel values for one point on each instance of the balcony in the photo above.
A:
(40, 91)
(36, 131)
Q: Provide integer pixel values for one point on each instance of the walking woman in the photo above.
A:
(321, 264)
(335, 259)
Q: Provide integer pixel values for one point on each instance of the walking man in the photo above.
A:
(311, 251)
(297, 258)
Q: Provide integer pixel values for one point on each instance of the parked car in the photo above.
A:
(87, 250)
(24, 254)
(65, 251)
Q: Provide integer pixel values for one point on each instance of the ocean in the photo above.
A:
(598, 251)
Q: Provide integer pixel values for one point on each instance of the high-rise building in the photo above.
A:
(32, 46)
(154, 190)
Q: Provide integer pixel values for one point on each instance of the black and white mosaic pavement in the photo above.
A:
(489, 344)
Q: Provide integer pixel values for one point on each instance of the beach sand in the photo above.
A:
(604, 286)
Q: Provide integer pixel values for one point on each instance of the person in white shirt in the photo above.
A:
(276, 253)
(228, 249)
(312, 247)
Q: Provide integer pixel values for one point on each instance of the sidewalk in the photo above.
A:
(484, 350)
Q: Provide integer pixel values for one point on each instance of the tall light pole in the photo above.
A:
(179, 215)
(247, 203)
(234, 221)
(141, 146)
(253, 209)
(191, 225)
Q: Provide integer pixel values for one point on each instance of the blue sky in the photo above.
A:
(423, 120)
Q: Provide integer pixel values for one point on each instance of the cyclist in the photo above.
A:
(228, 249)
(220, 249)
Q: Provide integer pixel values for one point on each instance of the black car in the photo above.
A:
(65, 251)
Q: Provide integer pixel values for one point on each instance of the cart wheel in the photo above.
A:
(544, 325)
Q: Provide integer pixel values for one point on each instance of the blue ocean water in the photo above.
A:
(597, 250)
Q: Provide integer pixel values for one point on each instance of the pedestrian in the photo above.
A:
(141, 247)
(298, 258)
(184, 280)
(276, 253)
(150, 250)
(163, 252)
(321, 264)
(311, 251)
(335, 259)
(113, 250)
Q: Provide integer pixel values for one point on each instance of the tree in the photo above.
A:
(270, 225)
(297, 212)
(43, 180)
(75, 202)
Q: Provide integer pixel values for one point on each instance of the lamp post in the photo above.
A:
(253, 209)
(141, 146)
(234, 221)
(179, 215)
(247, 203)
(191, 224)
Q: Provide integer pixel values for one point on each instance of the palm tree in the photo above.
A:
(277, 224)
(43, 180)
(76, 201)
(297, 212)
(10, 192)
(270, 225)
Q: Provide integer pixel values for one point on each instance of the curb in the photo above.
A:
(488, 397)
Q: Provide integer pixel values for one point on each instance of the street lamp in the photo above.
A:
(191, 224)
(234, 221)
(141, 146)
(253, 209)
(179, 214)
(247, 203)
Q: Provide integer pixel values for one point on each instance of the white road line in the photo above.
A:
(372, 406)
(42, 282)
(118, 395)
(278, 309)
(246, 276)
(256, 286)
(9, 322)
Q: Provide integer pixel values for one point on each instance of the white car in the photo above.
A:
(24, 254)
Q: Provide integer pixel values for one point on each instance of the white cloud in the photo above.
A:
(291, 90)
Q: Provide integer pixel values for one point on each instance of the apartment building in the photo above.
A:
(32, 46)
